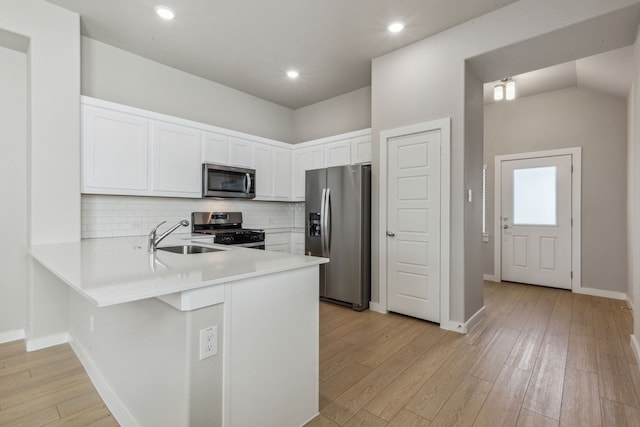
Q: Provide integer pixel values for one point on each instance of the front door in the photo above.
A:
(536, 221)
(413, 225)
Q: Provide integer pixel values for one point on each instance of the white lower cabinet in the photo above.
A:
(176, 160)
(297, 243)
(278, 242)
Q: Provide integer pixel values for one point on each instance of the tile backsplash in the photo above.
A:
(116, 216)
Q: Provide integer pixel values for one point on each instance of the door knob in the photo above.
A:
(390, 234)
(505, 226)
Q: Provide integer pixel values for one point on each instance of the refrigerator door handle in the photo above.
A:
(327, 222)
(322, 219)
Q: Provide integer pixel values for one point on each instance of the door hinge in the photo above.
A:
(572, 222)
(572, 274)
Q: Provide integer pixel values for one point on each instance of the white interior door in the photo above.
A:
(413, 225)
(536, 221)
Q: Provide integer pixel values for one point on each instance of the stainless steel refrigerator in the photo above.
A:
(338, 227)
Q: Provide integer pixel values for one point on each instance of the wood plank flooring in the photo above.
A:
(47, 388)
(540, 357)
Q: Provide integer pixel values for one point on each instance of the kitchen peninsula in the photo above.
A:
(137, 318)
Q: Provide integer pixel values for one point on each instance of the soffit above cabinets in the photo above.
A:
(250, 44)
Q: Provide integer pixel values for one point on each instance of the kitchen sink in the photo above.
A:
(189, 249)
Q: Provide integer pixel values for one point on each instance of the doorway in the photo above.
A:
(537, 224)
(414, 221)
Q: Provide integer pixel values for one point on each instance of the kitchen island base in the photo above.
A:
(143, 356)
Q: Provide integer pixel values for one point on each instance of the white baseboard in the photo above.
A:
(465, 327)
(115, 405)
(489, 277)
(601, 293)
(474, 320)
(48, 341)
(635, 346)
(10, 336)
(375, 306)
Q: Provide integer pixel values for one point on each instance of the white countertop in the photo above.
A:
(118, 270)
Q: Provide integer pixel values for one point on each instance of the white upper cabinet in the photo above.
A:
(339, 150)
(273, 172)
(215, 148)
(337, 153)
(305, 159)
(282, 173)
(115, 152)
(263, 164)
(176, 160)
(361, 149)
(240, 152)
(130, 151)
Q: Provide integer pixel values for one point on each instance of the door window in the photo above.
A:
(534, 196)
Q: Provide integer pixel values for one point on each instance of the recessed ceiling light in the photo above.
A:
(292, 74)
(165, 13)
(396, 27)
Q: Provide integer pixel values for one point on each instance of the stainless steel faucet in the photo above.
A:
(153, 241)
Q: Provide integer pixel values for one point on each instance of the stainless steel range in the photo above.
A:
(226, 229)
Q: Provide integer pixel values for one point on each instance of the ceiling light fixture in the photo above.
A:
(395, 27)
(505, 89)
(165, 13)
(292, 74)
(510, 90)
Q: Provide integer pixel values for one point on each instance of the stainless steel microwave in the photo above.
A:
(228, 182)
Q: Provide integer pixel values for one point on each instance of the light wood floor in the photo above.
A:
(47, 388)
(541, 357)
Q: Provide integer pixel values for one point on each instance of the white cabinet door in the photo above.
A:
(215, 148)
(176, 160)
(263, 164)
(305, 159)
(361, 149)
(240, 152)
(115, 147)
(337, 153)
(281, 173)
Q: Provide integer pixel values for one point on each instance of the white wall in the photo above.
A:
(566, 118)
(13, 193)
(115, 75)
(426, 81)
(344, 113)
(53, 148)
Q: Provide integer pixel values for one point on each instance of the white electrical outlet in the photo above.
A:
(208, 342)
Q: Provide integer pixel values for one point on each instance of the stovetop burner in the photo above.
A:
(226, 227)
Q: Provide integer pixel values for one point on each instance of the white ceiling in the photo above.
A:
(249, 44)
(610, 72)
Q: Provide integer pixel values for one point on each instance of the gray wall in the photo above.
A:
(473, 158)
(115, 75)
(633, 203)
(426, 81)
(13, 190)
(344, 113)
(565, 118)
